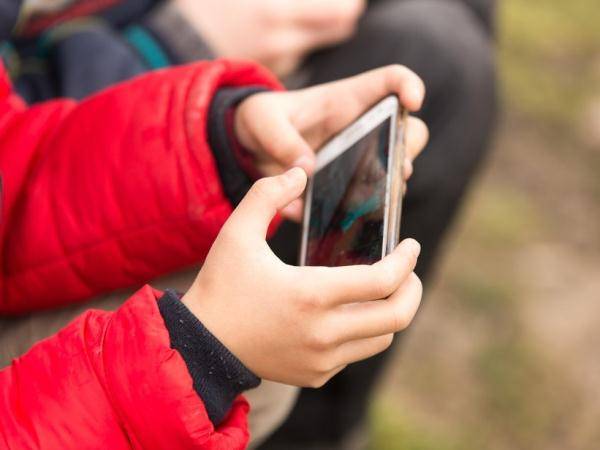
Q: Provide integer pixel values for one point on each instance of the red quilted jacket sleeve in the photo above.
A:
(112, 191)
(110, 381)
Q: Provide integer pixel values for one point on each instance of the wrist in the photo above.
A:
(217, 374)
(244, 157)
(234, 162)
(204, 305)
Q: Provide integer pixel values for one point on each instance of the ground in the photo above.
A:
(504, 354)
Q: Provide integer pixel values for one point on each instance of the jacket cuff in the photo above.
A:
(178, 38)
(218, 376)
(234, 170)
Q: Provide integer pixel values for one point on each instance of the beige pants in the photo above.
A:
(271, 402)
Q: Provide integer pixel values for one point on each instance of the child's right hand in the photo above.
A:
(298, 325)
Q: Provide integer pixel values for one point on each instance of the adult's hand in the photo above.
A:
(298, 325)
(275, 33)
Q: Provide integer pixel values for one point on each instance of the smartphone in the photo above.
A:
(353, 201)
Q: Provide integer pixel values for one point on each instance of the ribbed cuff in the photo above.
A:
(218, 376)
(235, 180)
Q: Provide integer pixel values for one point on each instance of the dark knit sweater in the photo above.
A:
(219, 377)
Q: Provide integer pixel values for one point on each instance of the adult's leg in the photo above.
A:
(485, 10)
(270, 402)
(447, 45)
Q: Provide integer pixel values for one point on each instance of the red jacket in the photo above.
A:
(98, 195)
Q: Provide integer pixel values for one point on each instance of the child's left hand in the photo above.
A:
(283, 129)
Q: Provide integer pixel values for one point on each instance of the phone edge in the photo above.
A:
(387, 108)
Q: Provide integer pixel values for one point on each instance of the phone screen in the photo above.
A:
(346, 224)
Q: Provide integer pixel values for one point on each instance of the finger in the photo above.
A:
(358, 350)
(351, 284)
(380, 317)
(324, 378)
(264, 199)
(282, 142)
(376, 84)
(407, 169)
(361, 92)
(293, 211)
(416, 137)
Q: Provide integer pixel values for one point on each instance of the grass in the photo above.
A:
(505, 217)
(541, 41)
(394, 432)
(518, 397)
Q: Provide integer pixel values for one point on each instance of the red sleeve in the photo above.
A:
(110, 381)
(112, 191)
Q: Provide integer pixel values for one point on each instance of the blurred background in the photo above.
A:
(505, 353)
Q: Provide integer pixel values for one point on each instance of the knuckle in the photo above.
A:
(262, 189)
(331, 122)
(321, 366)
(281, 147)
(266, 189)
(394, 74)
(310, 301)
(387, 281)
(331, 113)
(319, 341)
(400, 321)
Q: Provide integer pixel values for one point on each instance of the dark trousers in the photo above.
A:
(449, 44)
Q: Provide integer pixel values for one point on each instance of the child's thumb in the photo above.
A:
(265, 198)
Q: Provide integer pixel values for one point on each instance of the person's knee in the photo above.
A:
(444, 42)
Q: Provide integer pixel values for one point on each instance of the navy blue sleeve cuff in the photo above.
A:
(235, 180)
(218, 376)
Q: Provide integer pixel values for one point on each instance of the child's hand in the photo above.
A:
(298, 325)
(283, 129)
